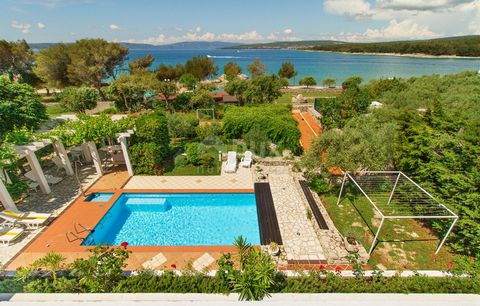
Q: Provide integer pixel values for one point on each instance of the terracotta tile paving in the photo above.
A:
(54, 237)
(308, 127)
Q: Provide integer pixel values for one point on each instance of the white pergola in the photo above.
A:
(90, 153)
(393, 195)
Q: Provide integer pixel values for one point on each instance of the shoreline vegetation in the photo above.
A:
(416, 55)
(448, 47)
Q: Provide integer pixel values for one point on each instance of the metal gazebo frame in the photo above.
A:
(397, 205)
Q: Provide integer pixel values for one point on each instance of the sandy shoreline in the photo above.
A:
(417, 55)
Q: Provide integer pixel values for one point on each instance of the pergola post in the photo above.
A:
(62, 153)
(376, 236)
(446, 235)
(97, 161)
(37, 171)
(123, 142)
(6, 199)
(86, 152)
(341, 188)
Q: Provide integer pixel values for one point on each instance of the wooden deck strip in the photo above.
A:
(267, 217)
(313, 206)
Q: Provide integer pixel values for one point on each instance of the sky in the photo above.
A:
(242, 21)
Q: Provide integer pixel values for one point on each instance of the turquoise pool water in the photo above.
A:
(169, 219)
(99, 197)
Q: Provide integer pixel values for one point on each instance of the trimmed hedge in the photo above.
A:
(315, 282)
(275, 120)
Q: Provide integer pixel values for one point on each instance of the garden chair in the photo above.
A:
(8, 235)
(247, 159)
(231, 164)
(29, 219)
(51, 180)
(59, 164)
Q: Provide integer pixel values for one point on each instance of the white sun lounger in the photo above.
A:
(247, 159)
(29, 219)
(231, 164)
(51, 180)
(8, 235)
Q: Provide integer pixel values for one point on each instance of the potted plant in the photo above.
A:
(273, 248)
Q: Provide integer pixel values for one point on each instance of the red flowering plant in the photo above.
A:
(465, 265)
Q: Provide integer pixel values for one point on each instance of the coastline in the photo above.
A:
(415, 55)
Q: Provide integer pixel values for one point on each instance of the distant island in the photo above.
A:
(461, 46)
(186, 45)
(302, 44)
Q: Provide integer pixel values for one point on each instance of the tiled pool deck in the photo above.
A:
(299, 239)
(54, 237)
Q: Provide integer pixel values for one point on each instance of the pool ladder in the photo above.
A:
(75, 236)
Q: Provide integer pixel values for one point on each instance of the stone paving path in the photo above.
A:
(299, 238)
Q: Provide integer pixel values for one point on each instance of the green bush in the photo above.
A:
(257, 141)
(209, 131)
(79, 99)
(19, 106)
(182, 101)
(319, 185)
(146, 158)
(181, 161)
(275, 120)
(150, 143)
(182, 125)
(169, 282)
(194, 151)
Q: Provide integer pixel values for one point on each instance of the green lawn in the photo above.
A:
(286, 98)
(56, 110)
(404, 243)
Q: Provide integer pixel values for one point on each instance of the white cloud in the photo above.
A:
(114, 27)
(287, 31)
(357, 9)
(420, 5)
(198, 29)
(408, 19)
(24, 27)
(251, 36)
(41, 26)
(400, 30)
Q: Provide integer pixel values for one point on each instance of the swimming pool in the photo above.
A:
(99, 197)
(178, 219)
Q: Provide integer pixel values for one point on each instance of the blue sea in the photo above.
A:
(321, 65)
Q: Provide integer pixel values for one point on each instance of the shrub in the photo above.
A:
(181, 161)
(257, 140)
(182, 125)
(20, 106)
(150, 143)
(169, 282)
(207, 160)
(255, 275)
(146, 158)
(209, 131)
(182, 101)
(319, 185)
(188, 80)
(79, 99)
(194, 151)
(275, 120)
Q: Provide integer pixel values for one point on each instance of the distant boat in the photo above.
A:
(209, 56)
